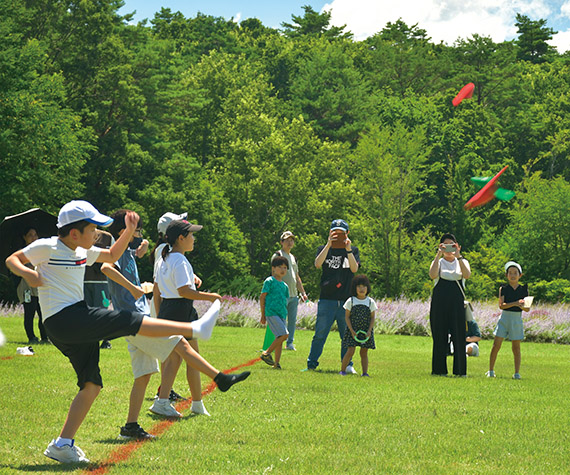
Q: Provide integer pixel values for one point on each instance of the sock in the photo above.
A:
(203, 327)
(226, 381)
(60, 442)
(198, 408)
(131, 425)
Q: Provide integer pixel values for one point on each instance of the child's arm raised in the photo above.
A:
(116, 250)
(16, 263)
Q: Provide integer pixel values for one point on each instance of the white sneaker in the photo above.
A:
(490, 374)
(162, 407)
(350, 370)
(198, 408)
(291, 347)
(65, 454)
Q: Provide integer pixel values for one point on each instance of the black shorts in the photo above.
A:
(76, 331)
(179, 310)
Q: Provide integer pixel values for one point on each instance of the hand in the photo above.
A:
(131, 221)
(214, 297)
(440, 250)
(369, 334)
(197, 281)
(457, 251)
(137, 292)
(303, 296)
(348, 244)
(33, 279)
(353, 333)
(262, 320)
(332, 236)
(141, 251)
(521, 302)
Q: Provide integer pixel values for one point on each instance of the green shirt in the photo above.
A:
(276, 298)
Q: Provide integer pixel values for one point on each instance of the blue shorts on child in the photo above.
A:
(510, 326)
(276, 325)
(77, 329)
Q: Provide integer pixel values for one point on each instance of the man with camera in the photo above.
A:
(339, 260)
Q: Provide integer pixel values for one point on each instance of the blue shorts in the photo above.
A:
(510, 326)
(277, 326)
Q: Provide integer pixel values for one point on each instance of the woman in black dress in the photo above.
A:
(447, 313)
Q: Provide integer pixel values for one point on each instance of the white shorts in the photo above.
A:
(146, 351)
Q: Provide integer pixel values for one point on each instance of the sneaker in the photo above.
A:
(135, 431)
(306, 370)
(342, 373)
(291, 347)
(199, 409)
(350, 370)
(33, 341)
(65, 454)
(365, 375)
(163, 407)
(490, 374)
(266, 357)
(276, 366)
(106, 345)
(517, 376)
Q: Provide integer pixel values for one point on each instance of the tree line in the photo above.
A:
(255, 130)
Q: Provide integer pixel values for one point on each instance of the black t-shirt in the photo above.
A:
(511, 295)
(337, 276)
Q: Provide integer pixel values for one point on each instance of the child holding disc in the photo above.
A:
(360, 311)
(273, 303)
(510, 325)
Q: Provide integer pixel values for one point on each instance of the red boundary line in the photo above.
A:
(123, 453)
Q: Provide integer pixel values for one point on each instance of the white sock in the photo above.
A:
(60, 442)
(198, 408)
(203, 327)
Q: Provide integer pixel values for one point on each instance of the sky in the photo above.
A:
(444, 20)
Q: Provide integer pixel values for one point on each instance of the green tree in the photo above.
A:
(532, 40)
(313, 23)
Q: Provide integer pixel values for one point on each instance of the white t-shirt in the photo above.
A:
(451, 270)
(356, 301)
(157, 256)
(62, 270)
(172, 273)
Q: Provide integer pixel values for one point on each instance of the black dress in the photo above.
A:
(447, 315)
(360, 316)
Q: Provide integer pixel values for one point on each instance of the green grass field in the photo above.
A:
(401, 420)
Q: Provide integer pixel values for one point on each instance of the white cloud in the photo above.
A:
(444, 20)
(561, 40)
(565, 9)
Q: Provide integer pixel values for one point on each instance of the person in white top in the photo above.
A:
(447, 313)
(175, 291)
(76, 329)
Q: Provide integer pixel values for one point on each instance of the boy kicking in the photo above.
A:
(76, 329)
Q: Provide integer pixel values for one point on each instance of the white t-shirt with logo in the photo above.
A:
(62, 270)
(172, 273)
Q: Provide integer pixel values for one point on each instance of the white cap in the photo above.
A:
(79, 210)
(513, 264)
(166, 219)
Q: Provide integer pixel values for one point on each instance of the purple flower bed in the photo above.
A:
(544, 323)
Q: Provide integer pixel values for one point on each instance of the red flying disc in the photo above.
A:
(465, 93)
(486, 193)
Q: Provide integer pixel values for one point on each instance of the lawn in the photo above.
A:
(400, 420)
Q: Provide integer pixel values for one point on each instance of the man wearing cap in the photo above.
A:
(339, 260)
(293, 281)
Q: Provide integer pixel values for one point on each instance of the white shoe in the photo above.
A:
(162, 407)
(350, 370)
(490, 374)
(198, 408)
(291, 347)
(65, 454)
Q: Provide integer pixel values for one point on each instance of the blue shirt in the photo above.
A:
(121, 297)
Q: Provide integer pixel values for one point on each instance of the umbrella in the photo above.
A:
(13, 227)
